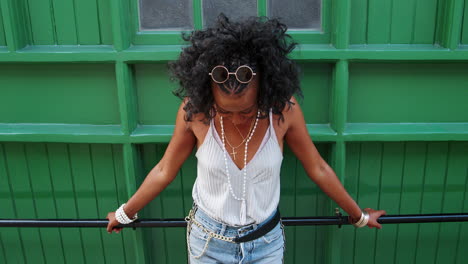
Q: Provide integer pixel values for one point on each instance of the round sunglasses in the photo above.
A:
(220, 74)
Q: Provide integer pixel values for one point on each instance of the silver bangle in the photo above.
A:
(363, 220)
(122, 218)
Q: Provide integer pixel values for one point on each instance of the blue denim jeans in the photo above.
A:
(205, 249)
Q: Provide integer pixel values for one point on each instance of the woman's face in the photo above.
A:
(239, 108)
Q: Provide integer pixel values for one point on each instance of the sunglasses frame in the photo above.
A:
(229, 73)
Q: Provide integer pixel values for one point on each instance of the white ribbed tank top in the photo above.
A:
(211, 190)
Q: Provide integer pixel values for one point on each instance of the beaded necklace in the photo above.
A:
(243, 211)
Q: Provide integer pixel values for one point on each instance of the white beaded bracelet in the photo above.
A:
(122, 218)
(363, 220)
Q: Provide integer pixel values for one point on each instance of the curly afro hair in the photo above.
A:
(260, 42)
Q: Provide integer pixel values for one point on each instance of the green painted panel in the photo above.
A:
(69, 22)
(393, 22)
(316, 83)
(407, 93)
(2, 30)
(154, 94)
(464, 34)
(60, 181)
(58, 93)
(407, 178)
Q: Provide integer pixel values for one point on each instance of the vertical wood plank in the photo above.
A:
(308, 244)
(104, 20)
(453, 198)
(425, 22)
(173, 207)
(41, 22)
(370, 169)
(434, 178)
(2, 29)
(12, 244)
(359, 22)
(131, 171)
(24, 200)
(65, 22)
(155, 237)
(453, 25)
(411, 196)
(392, 170)
(351, 183)
(402, 21)
(104, 178)
(463, 234)
(288, 201)
(83, 179)
(128, 236)
(41, 184)
(65, 200)
(16, 31)
(380, 12)
(464, 34)
(87, 22)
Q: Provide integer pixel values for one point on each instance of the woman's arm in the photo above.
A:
(178, 150)
(317, 169)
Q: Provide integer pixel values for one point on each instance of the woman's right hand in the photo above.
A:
(112, 223)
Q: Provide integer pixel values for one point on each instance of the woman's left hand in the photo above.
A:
(373, 216)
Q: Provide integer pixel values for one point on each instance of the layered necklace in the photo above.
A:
(244, 139)
(243, 211)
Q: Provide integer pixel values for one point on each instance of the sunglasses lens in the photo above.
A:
(220, 74)
(244, 74)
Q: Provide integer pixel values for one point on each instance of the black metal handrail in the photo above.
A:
(287, 221)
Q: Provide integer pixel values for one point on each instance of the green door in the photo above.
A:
(86, 111)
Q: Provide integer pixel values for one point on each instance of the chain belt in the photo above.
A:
(191, 219)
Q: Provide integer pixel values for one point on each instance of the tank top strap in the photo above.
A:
(272, 128)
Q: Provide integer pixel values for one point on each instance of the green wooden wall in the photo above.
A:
(86, 111)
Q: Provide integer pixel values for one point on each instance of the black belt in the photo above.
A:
(261, 230)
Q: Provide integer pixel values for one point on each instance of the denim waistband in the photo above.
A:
(224, 229)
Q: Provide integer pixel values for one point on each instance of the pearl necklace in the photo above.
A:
(242, 199)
